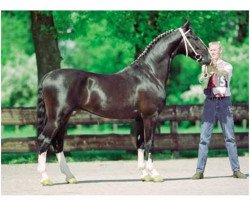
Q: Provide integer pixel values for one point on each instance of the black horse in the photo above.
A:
(137, 92)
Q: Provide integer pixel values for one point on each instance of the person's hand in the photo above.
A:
(211, 69)
(214, 62)
(223, 72)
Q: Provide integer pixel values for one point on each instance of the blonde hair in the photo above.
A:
(215, 43)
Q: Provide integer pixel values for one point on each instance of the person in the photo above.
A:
(217, 106)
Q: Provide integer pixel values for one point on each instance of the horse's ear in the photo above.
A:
(186, 26)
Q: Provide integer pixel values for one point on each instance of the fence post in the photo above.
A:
(244, 123)
(115, 128)
(174, 133)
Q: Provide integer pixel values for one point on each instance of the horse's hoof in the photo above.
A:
(146, 178)
(46, 182)
(71, 180)
(157, 178)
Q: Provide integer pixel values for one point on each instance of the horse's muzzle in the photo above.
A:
(205, 60)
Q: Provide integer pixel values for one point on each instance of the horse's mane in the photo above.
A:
(152, 44)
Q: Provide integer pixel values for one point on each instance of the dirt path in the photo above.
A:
(122, 178)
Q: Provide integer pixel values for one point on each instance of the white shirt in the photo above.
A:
(224, 80)
(219, 82)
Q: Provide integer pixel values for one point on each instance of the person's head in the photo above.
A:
(215, 50)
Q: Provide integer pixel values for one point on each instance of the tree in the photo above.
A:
(16, 35)
(243, 21)
(45, 41)
(146, 28)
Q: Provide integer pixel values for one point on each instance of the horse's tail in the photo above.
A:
(41, 111)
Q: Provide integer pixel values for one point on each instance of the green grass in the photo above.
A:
(17, 132)
(108, 155)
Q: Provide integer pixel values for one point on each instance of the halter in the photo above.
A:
(187, 43)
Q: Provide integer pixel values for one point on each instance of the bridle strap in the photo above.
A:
(187, 43)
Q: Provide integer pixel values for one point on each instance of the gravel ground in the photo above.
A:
(122, 178)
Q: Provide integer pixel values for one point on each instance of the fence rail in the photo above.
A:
(172, 141)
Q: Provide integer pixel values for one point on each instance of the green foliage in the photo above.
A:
(107, 41)
(102, 52)
(19, 81)
(16, 35)
(237, 56)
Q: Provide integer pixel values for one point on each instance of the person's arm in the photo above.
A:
(223, 72)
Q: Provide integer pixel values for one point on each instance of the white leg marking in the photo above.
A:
(150, 167)
(42, 165)
(141, 163)
(63, 165)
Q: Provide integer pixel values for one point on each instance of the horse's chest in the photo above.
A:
(149, 97)
(150, 91)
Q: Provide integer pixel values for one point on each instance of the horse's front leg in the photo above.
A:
(154, 174)
(57, 143)
(149, 131)
(141, 149)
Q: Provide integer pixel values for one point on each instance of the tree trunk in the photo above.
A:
(48, 56)
(243, 17)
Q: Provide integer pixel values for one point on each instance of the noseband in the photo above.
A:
(198, 57)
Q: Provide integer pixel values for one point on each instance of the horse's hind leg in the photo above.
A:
(70, 178)
(44, 141)
(57, 143)
(53, 125)
(42, 169)
(45, 138)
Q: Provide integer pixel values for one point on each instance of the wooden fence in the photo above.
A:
(172, 141)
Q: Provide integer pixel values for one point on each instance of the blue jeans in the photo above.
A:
(215, 109)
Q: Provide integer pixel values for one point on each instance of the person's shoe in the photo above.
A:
(198, 175)
(238, 174)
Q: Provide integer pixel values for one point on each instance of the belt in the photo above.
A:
(218, 98)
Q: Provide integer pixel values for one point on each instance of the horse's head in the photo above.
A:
(192, 46)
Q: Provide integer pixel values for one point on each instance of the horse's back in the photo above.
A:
(58, 74)
(85, 90)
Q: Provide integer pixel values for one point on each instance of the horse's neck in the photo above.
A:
(160, 57)
(163, 68)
